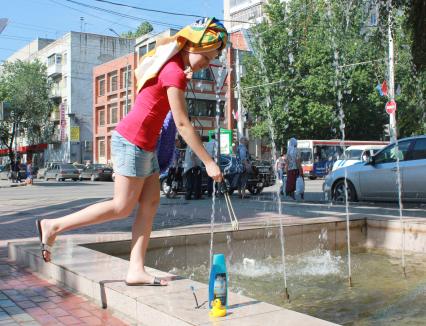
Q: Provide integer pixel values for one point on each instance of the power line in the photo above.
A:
(168, 12)
(146, 9)
(112, 12)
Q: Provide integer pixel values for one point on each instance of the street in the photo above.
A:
(20, 206)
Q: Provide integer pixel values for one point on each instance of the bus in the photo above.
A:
(318, 156)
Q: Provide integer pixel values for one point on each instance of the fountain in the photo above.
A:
(308, 253)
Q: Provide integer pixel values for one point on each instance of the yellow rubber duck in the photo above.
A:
(217, 309)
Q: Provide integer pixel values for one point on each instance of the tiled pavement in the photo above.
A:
(28, 300)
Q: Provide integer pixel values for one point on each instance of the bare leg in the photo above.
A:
(126, 194)
(141, 231)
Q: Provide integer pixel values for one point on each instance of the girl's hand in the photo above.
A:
(214, 172)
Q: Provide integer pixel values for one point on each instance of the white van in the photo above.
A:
(355, 154)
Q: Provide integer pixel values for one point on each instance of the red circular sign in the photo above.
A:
(391, 107)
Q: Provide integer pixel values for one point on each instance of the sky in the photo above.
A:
(29, 19)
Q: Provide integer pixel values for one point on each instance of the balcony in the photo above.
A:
(54, 116)
(55, 92)
(54, 70)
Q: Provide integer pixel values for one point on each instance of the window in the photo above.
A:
(204, 108)
(419, 150)
(102, 118)
(151, 46)
(113, 81)
(113, 113)
(204, 74)
(101, 146)
(142, 51)
(58, 59)
(101, 86)
(51, 60)
(389, 154)
(125, 76)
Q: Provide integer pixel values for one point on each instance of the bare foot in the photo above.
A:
(48, 237)
(144, 278)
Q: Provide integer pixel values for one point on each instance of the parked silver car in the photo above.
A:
(61, 171)
(377, 178)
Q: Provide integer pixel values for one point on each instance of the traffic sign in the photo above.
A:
(391, 107)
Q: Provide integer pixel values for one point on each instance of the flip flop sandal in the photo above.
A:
(157, 282)
(44, 247)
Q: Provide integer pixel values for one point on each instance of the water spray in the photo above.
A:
(274, 155)
(341, 117)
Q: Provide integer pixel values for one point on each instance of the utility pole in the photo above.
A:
(127, 86)
(391, 91)
(240, 121)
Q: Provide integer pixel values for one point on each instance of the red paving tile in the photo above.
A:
(79, 313)
(69, 320)
(47, 303)
(92, 320)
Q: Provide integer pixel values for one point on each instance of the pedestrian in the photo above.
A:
(174, 175)
(293, 166)
(192, 174)
(211, 148)
(29, 179)
(280, 170)
(244, 157)
(161, 83)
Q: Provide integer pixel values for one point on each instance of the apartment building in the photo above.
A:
(114, 91)
(70, 61)
(110, 95)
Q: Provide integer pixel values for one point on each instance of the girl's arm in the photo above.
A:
(177, 102)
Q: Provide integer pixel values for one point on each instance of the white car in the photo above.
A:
(356, 154)
(377, 178)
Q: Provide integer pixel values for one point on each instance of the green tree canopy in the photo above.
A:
(24, 86)
(144, 28)
(320, 61)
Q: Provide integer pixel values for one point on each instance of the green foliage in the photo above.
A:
(25, 86)
(300, 45)
(144, 28)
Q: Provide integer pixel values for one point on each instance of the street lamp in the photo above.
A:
(110, 29)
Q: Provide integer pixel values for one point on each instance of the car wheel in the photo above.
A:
(255, 190)
(75, 179)
(339, 194)
(312, 178)
(80, 178)
(58, 178)
(92, 178)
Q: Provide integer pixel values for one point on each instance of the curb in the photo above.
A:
(14, 185)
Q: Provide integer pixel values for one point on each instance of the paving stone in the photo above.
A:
(26, 304)
(69, 320)
(7, 303)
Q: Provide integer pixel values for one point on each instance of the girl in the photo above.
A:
(161, 82)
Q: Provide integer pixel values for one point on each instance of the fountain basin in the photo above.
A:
(96, 269)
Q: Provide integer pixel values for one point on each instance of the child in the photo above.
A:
(161, 82)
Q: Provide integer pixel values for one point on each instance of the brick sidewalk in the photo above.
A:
(28, 300)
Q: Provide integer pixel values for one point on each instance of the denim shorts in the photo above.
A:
(130, 160)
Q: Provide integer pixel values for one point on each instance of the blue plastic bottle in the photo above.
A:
(218, 283)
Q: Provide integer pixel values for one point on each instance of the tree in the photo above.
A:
(24, 86)
(319, 62)
(144, 28)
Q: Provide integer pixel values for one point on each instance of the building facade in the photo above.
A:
(204, 93)
(242, 14)
(70, 61)
(113, 96)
